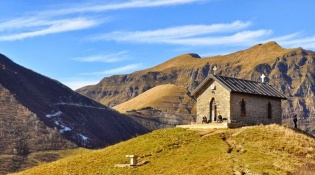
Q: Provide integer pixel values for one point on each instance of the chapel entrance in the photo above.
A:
(213, 110)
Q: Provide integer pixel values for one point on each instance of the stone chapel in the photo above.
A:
(237, 101)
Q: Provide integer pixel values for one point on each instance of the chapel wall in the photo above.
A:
(222, 97)
(256, 109)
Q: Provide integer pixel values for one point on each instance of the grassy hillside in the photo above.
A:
(164, 97)
(269, 149)
(23, 162)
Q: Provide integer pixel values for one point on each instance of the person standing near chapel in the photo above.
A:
(295, 121)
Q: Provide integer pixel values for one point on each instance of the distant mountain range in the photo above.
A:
(291, 71)
(40, 114)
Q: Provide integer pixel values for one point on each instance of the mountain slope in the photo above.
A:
(166, 97)
(268, 149)
(38, 113)
(165, 105)
(291, 71)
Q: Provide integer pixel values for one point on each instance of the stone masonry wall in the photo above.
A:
(256, 109)
(222, 97)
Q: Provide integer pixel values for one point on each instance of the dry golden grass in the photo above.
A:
(260, 53)
(42, 157)
(167, 97)
(268, 149)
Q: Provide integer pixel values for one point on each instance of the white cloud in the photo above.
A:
(78, 83)
(295, 40)
(117, 6)
(57, 20)
(305, 42)
(241, 38)
(161, 35)
(43, 27)
(120, 70)
(106, 58)
(192, 35)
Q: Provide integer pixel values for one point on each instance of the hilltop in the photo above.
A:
(270, 149)
(291, 71)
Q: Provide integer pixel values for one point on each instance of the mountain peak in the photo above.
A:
(181, 60)
(268, 45)
(194, 55)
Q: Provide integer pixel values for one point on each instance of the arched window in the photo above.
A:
(269, 112)
(243, 107)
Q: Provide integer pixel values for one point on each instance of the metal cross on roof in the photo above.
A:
(262, 78)
(214, 69)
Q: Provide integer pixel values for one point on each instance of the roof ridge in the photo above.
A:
(242, 79)
(242, 86)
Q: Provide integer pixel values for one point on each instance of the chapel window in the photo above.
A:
(269, 112)
(243, 107)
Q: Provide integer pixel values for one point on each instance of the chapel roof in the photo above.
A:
(241, 86)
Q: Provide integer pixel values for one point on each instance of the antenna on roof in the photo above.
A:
(214, 70)
(262, 78)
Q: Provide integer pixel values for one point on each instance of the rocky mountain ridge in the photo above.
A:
(291, 71)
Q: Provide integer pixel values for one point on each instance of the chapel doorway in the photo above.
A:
(213, 110)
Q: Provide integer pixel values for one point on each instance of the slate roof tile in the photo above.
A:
(242, 86)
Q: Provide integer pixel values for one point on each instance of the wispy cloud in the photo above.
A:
(52, 21)
(81, 80)
(93, 8)
(78, 83)
(106, 58)
(43, 27)
(161, 35)
(239, 38)
(120, 70)
(297, 40)
(214, 34)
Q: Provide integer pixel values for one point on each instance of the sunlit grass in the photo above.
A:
(158, 97)
(258, 150)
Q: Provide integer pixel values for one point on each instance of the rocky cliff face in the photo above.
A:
(38, 114)
(291, 71)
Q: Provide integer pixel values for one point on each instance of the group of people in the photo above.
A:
(205, 120)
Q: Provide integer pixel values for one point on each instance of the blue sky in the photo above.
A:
(79, 43)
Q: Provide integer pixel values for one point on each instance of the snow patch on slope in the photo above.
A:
(58, 122)
(81, 105)
(54, 114)
(83, 137)
(63, 128)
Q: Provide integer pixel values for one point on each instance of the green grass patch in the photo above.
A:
(258, 150)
